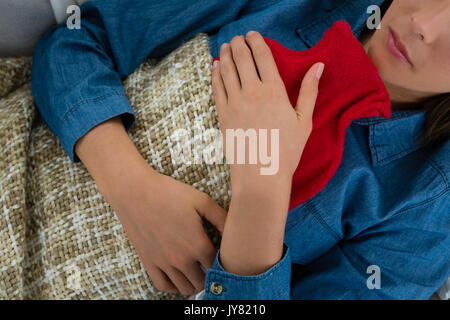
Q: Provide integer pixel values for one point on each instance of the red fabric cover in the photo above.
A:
(350, 88)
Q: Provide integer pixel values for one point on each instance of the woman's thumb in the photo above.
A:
(308, 91)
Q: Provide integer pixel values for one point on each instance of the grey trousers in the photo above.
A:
(22, 23)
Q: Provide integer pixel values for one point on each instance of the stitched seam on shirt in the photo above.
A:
(405, 151)
(83, 102)
(232, 276)
(447, 188)
(443, 192)
(388, 159)
(277, 294)
(332, 13)
(319, 218)
(373, 143)
(372, 135)
(223, 273)
(368, 121)
(435, 165)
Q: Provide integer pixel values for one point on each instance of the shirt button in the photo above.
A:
(216, 288)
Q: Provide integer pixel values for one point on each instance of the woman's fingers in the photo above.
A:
(219, 92)
(243, 59)
(160, 280)
(205, 251)
(180, 281)
(265, 62)
(309, 90)
(196, 276)
(228, 70)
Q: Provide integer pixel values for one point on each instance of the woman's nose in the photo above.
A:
(431, 21)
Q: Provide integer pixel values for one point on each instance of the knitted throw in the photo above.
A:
(59, 238)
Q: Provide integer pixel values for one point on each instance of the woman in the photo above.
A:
(384, 210)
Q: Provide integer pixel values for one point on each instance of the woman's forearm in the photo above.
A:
(109, 155)
(253, 236)
(252, 240)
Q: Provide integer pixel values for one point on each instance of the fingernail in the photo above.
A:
(223, 46)
(250, 33)
(320, 70)
(215, 63)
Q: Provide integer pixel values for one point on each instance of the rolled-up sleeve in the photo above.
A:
(75, 85)
(77, 73)
(274, 284)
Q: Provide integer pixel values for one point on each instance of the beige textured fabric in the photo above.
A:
(59, 239)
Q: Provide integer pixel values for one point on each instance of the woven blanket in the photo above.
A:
(59, 238)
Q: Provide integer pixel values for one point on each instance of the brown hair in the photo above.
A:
(437, 120)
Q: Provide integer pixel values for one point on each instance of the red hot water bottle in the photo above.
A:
(350, 88)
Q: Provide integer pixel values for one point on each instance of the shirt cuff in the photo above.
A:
(83, 117)
(274, 284)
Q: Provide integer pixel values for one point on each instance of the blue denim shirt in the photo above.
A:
(386, 208)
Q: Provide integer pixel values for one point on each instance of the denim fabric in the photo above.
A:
(270, 285)
(386, 206)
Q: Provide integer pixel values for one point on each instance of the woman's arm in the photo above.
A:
(77, 73)
(161, 216)
(252, 241)
(77, 87)
(250, 94)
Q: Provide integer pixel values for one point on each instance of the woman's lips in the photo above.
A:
(396, 47)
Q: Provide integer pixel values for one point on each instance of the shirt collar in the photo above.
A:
(354, 12)
(395, 137)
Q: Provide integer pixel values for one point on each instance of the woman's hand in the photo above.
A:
(161, 216)
(250, 94)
